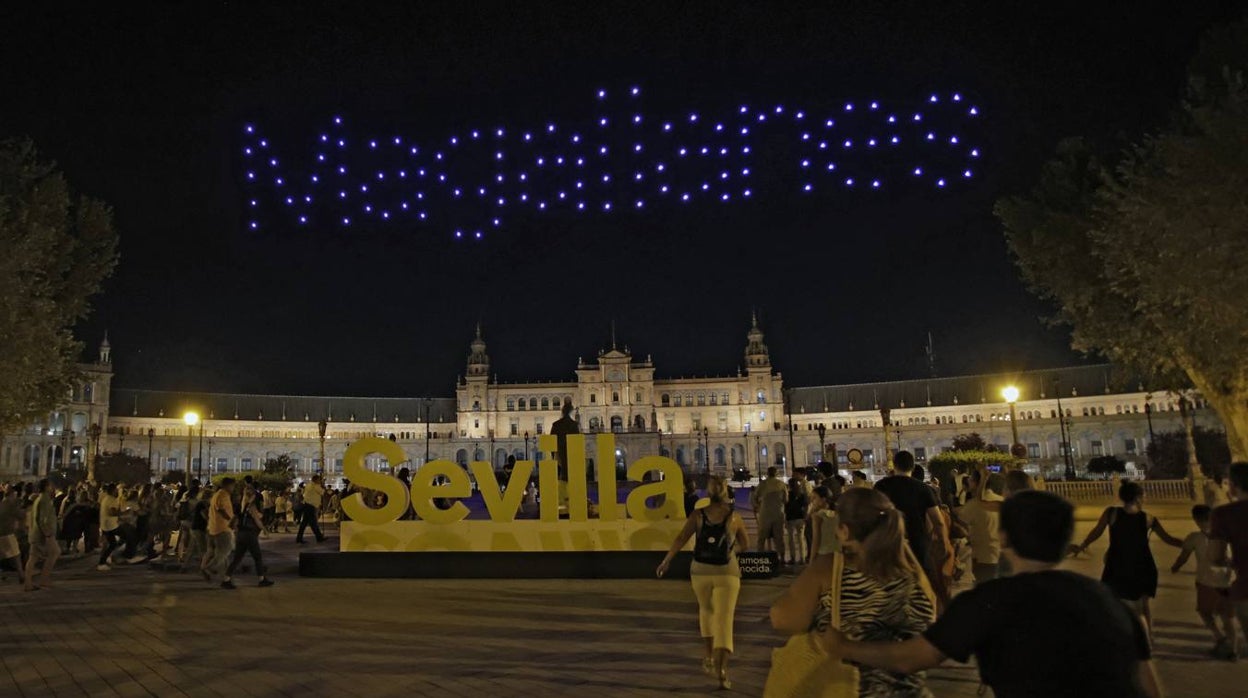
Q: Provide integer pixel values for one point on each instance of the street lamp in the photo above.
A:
(428, 434)
(706, 449)
(823, 430)
(151, 435)
(191, 419)
(1010, 393)
(320, 430)
(526, 445)
(1068, 458)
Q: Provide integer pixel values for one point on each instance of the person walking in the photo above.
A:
(824, 539)
(1091, 643)
(714, 573)
(982, 516)
(1212, 585)
(918, 506)
(251, 527)
(10, 519)
(883, 594)
(795, 510)
(1216, 491)
(313, 497)
(42, 538)
(1130, 570)
(110, 522)
(1228, 531)
(220, 530)
(196, 549)
(768, 500)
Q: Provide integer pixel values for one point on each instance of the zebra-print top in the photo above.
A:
(875, 611)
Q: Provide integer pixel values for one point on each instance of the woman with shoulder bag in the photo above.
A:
(874, 589)
(715, 574)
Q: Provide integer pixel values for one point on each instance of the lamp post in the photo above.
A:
(758, 455)
(1148, 415)
(1067, 457)
(706, 449)
(151, 435)
(191, 420)
(1010, 393)
(212, 467)
(93, 432)
(320, 430)
(199, 467)
(526, 445)
(428, 434)
(823, 430)
(888, 453)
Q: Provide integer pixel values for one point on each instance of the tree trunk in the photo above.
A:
(1232, 408)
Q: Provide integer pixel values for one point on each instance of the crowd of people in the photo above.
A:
(927, 574)
(203, 527)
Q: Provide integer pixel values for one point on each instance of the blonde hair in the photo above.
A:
(880, 532)
(717, 489)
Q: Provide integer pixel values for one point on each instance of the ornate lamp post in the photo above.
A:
(526, 445)
(428, 434)
(320, 430)
(199, 467)
(1010, 393)
(1067, 457)
(191, 419)
(823, 430)
(151, 436)
(888, 452)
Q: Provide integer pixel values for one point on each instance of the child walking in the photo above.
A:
(1212, 585)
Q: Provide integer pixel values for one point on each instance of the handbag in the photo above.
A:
(803, 668)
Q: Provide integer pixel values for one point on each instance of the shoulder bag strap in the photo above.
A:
(838, 570)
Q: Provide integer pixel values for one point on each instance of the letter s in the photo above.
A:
(353, 469)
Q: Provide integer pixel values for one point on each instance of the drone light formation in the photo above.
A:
(620, 160)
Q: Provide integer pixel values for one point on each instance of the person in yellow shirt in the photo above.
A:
(220, 530)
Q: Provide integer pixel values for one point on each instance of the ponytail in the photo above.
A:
(880, 533)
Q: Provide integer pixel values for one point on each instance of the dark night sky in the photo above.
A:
(142, 107)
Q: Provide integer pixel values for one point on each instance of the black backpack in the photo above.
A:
(712, 545)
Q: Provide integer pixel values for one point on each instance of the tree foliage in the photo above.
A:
(970, 442)
(123, 468)
(1167, 453)
(264, 480)
(56, 247)
(1107, 464)
(1143, 250)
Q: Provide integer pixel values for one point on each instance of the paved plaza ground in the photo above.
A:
(142, 632)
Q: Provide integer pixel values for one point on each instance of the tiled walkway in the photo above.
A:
(141, 632)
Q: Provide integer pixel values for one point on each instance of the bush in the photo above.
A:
(942, 465)
(1107, 464)
(122, 468)
(1167, 454)
(265, 481)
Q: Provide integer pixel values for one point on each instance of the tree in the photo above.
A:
(281, 465)
(123, 468)
(1143, 250)
(1167, 452)
(1107, 464)
(970, 442)
(56, 247)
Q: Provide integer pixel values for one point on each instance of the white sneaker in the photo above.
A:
(102, 568)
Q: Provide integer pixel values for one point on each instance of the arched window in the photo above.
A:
(701, 399)
(523, 404)
(88, 392)
(532, 403)
(617, 424)
(762, 397)
(593, 398)
(545, 403)
(665, 399)
(714, 399)
(594, 423)
(556, 403)
(615, 397)
(511, 404)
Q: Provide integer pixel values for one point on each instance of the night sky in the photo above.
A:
(144, 108)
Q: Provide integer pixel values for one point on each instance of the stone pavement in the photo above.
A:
(142, 632)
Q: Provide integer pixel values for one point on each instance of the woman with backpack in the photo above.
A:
(715, 574)
(1130, 570)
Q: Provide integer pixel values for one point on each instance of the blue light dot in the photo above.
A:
(875, 183)
(415, 150)
(634, 91)
(602, 121)
(606, 206)
(290, 200)
(684, 197)
(636, 118)
(402, 174)
(683, 151)
(254, 203)
(606, 178)
(550, 128)
(580, 162)
(342, 143)
(576, 138)
(918, 117)
(723, 175)
(247, 151)
(918, 171)
(476, 134)
(324, 137)
(875, 105)
(931, 136)
(338, 120)
(249, 128)
(660, 167)
(303, 219)
(705, 186)
(602, 94)
(579, 184)
(501, 201)
(254, 225)
(420, 196)
(637, 148)
(849, 107)
(637, 177)
(894, 140)
(807, 188)
(723, 151)
(829, 123)
(528, 137)
(746, 150)
(975, 153)
(497, 222)
(342, 169)
(966, 173)
(580, 205)
(848, 143)
(871, 143)
(315, 179)
(524, 177)
(744, 109)
(421, 172)
(454, 140)
(437, 156)
(397, 140)
(940, 182)
(805, 136)
(799, 116)
(477, 234)
(849, 182)
(342, 194)
(892, 119)
(381, 175)
(368, 208)
(403, 205)
(723, 197)
(667, 127)
(762, 117)
(541, 161)
(372, 144)
(933, 99)
(745, 193)
(693, 117)
(346, 221)
(363, 187)
(831, 166)
(423, 215)
(385, 215)
(498, 155)
(524, 196)
(541, 205)
(719, 127)
(251, 175)
(279, 181)
(321, 157)
(562, 195)
(498, 133)
(663, 189)
(779, 109)
(805, 163)
(639, 204)
(459, 233)
(272, 162)
(957, 97)
(974, 111)
(745, 172)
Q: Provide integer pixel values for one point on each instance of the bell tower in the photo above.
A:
(756, 357)
(478, 360)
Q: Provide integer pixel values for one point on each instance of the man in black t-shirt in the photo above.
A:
(1041, 632)
(918, 506)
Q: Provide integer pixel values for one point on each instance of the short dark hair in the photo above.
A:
(1038, 525)
(858, 475)
(43, 484)
(995, 483)
(1201, 512)
(1130, 492)
(918, 473)
(1239, 476)
(227, 481)
(825, 468)
(771, 471)
(903, 461)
